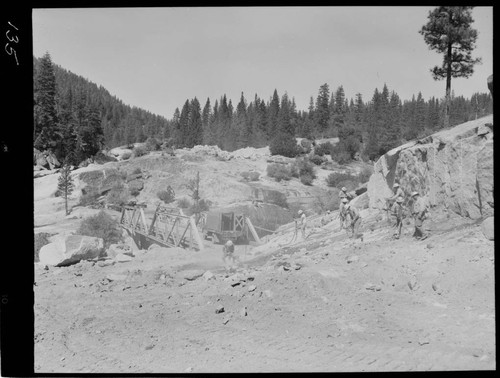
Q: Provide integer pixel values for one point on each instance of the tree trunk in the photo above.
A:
(66, 201)
(448, 88)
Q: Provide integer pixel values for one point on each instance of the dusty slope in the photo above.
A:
(377, 305)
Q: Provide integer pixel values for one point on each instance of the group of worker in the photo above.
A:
(398, 207)
(350, 219)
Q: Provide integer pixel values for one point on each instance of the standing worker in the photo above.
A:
(397, 211)
(355, 220)
(228, 255)
(397, 192)
(302, 223)
(342, 212)
(419, 212)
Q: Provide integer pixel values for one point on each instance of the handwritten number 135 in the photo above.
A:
(8, 49)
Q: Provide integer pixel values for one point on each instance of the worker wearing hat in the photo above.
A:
(354, 220)
(342, 212)
(419, 212)
(301, 223)
(228, 255)
(397, 191)
(397, 211)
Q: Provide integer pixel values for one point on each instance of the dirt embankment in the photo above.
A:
(323, 304)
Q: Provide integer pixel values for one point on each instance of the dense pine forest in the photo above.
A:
(76, 119)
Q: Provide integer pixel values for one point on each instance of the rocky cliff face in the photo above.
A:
(451, 168)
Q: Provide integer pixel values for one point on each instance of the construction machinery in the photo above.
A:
(221, 226)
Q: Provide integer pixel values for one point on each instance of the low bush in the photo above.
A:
(284, 144)
(101, 158)
(137, 171)
(126, 155)
(306, 179)
(203, 205)
(275, 197)
(167, 196)
(305, 167)
(316, 160)
(279, 171)
(89, 197)
(152, 144)
(323, 149)
(139, 151)
(118, 195)
(183, 203)
(364, 175)
(103, 226)
(306, 145)
(41, 239)
(334, 179)
(250, 176)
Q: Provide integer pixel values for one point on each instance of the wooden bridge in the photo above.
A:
(166, 228)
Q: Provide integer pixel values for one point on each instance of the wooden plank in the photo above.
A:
(196, 235)
(252, 229)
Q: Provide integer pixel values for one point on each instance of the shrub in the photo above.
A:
(316, 159)
(118, 195)
(335, 179)
(103, 226)
(203, 205)
(139, 151)
(305, 167)
(152, 144)
(284, 144)
(323, 149)
(275, 197)
(250, 176)
(340, 155)
(126, 155)
(101, 158)
(41, 239)
(137, 171)
(89, 197)
(306, 179)
(167, 195)
(279, 171)
(183, 203)
(364, 175)
(294, 169)
(306, 145)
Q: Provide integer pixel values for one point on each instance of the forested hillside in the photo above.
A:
(77, 118)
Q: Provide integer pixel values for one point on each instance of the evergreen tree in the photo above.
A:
(45, 117)
(183, 125)
(194, 132)
(339, 109)
(272, 115)
(65, 184)
(322, 113)
(448, 31)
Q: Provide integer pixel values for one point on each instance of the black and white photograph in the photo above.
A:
(261, 189)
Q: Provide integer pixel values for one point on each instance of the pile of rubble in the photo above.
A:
(251, 153)
(212, 151)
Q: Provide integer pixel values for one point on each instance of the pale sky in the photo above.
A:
(156, 58)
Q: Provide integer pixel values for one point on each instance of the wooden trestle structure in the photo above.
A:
(166, 228)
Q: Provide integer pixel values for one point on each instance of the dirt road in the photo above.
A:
(317, 305)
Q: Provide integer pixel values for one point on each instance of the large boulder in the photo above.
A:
(452, 168)
(68, 250)
(52, 161)
(488, 228)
